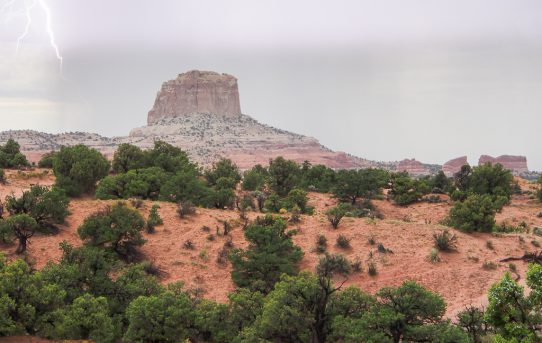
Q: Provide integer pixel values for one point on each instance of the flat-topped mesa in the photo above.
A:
(197, 91)
(453, 166)
(412, 166)
(517, 164)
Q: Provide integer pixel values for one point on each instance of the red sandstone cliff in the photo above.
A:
(517, 164)
(453, 166)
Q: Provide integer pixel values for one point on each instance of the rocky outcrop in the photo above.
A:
(517, 164)
(413, 167)
(453, 166)
(197, 92)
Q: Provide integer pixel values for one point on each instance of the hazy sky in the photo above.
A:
(384, 80)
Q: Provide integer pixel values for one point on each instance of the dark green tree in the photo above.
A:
(255, 178)
(48, 206)
(363, 183)
(46, 161)
(11, 156)
(284, 175)
(168, 317)
(78, 168)
(117, 227)
(224, 168)
(270, 254)
(128, 157)
(406, 190)
(476, 213)
(317, 178)
(23, 227)
(86, 318)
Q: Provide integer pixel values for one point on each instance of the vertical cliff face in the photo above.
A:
(517, 164)
(197, 92)
(453, 166)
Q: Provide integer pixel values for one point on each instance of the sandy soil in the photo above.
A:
(406, 231)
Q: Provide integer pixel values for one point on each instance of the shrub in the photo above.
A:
(356, 266)
(472, 320)
(283, 175)
(78, 168)
(11, 156)
(154, 218)
(247, 202)
(22, 226)
(297, 198)
(47, 160)
(362, 183)
(371, 268)
(444, 240)
(187, 186)
(141, 183)
(489, 245)
(382, 249)
(173, 316)
(343, 242)
(489, 265)
(476, 213)
(117, 227)
(48, 206)
(254, 179)
(188, 244)
(270, 254)
(128, 157)
(186, 208)
(335, 214)
(224, 168)
(2, 176)
(321, 244)
(434, 256)
(406, 190)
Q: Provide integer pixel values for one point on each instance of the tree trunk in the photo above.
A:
(22, 245)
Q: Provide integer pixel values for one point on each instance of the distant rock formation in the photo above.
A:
(197, 91)
(199, 111)
(413, 167)
(517, 164)
(453, 166)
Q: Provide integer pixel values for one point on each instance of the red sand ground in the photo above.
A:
(407, 231)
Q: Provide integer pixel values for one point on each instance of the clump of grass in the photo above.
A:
(539, 215)
(434, 255)
(154, 219)
(210, 237)
(203, 255)
(205, 228)
(444, 240)
(136, 203)
(535, 243)
(488, 265)
(371, 268)
(188, 244)
(186, 208)
(343, 242)
(537, 231)
(371, 240)
(382, 249)
(321, 244)
(489, 245)
(356, 266)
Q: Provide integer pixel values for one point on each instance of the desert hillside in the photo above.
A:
(460, 277)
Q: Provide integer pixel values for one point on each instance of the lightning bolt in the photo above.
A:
(26, 27)
(50, 32)
(7, 11)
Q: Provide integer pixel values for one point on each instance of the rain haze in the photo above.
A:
(383, 80)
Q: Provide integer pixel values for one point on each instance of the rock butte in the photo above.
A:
(453, 166)
(412, 166)
(200, 112)
(517, 164)
(197, 91)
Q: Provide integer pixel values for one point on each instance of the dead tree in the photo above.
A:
(530, 257)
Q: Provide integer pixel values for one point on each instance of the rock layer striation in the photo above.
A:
(197, 91)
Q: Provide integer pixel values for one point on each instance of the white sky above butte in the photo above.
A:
(384, 80)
